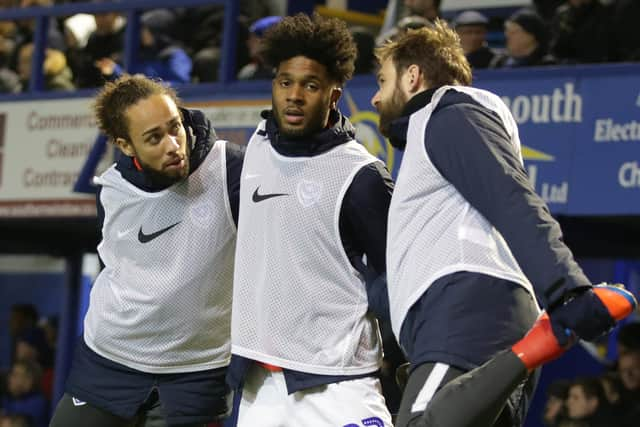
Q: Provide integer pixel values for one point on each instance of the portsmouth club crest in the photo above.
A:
(309, 192)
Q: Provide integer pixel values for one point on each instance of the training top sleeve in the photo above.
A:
(235, 157)
(470, 147)
(363, 230)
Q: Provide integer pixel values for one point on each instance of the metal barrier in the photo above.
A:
(132, 8)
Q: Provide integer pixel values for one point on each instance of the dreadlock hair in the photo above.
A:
(325, 40)
(435, 49)
(116, 97)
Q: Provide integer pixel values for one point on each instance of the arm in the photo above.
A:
(179, 67)
(235, 158)
(363, 229)
(471, 149)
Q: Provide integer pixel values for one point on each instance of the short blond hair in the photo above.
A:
(435, 49)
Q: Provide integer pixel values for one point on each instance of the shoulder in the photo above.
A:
(458, 105)
(371, 181)
(234, 152)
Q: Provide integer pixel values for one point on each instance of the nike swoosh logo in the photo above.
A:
(78, 402)
(146, 238)
(261, 197)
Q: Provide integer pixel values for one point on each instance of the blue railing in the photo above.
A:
(132, 9)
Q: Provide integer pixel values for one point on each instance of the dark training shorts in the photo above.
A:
(185, 397)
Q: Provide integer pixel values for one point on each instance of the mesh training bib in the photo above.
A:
(162, 304)
(433, 230)
(297, 302)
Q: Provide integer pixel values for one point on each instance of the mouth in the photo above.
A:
(174, 164)
(293, 116)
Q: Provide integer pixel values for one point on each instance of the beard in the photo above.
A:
(164, 179)
(391, 110)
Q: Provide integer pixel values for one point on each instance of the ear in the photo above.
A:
(416, 82)
(125, 146)
(336, 93)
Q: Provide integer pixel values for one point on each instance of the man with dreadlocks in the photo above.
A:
(313, 209)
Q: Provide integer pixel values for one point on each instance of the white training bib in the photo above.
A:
(162, 304)
(433, 230)
(298, 303)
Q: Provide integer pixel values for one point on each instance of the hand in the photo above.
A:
(584, 314)
(106, 66)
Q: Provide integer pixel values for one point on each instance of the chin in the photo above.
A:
(294, 133)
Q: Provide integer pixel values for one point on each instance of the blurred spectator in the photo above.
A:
(49, 326)
(77, 29)
(406, 23)
(32, 346)
(250, 12)
(14, 421)
(21, 318)
(5, 4)
(57, 74)
(7, 41)
(555, 409)
(629, 371)
(612, 387)
(160, 54)
(26, 28)
(628, 338)
(527, 41)
(547, 8)
(200, 31)
(365, 43)
(587, 404)
(581, 32)
(23, 394)
(472, 26)
(626, 36)
(429, 9)
(9, 81)
(107, 41)
(256, 68)
(206, 64)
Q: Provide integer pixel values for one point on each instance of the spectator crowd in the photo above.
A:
(183, 45)
(26, 389)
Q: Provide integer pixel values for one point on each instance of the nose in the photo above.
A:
(375, 100)
(294, 94)
(173, 143)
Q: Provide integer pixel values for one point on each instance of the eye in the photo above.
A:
(285, 83)
(312, 86)
(175, 128)
(154, 139)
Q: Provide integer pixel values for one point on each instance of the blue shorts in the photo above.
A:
(190, 397)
